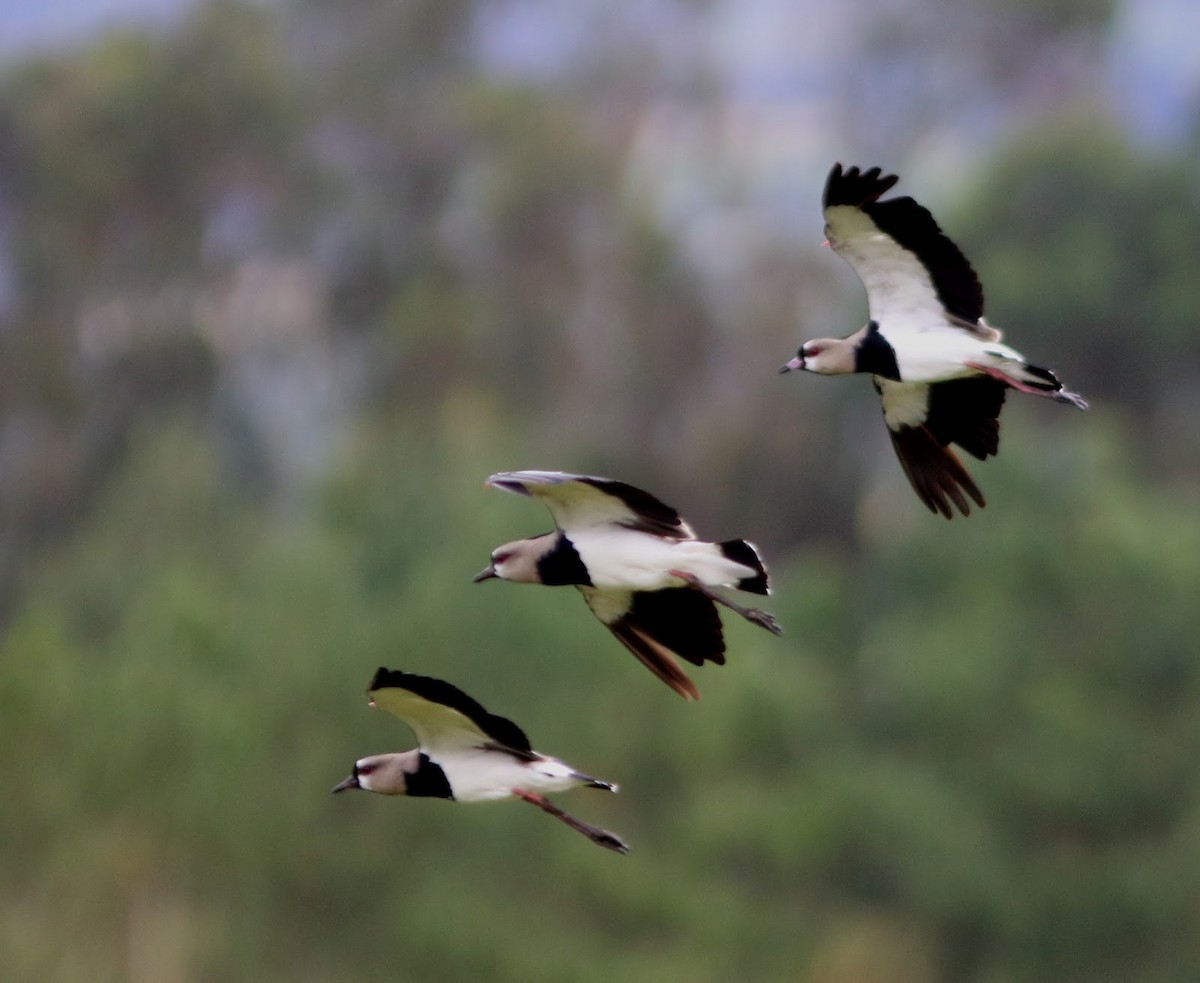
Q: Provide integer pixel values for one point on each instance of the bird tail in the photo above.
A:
(1010, 368)
(1045, 381)
(740, 551)
(589, 782)
(1039, 378)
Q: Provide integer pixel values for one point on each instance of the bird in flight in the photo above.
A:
(939, 368)
(465, 753)
(640, 568)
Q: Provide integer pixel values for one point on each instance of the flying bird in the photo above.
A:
(939, 368)
(640, 568)
(465, 753)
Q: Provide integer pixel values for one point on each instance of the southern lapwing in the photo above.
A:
(465, 753)
(638, 565)
(937, 365)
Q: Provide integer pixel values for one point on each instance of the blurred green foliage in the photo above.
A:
(970, 757)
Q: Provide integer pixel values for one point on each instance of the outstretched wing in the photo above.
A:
(923, 418)
(441, 715)
(579, 501)
(660, 626)
(913, 274)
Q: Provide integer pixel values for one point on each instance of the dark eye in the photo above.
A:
(810, 351)
(500, 557)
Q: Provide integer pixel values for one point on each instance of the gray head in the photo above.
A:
(386, 774)
(825, 356)
(518, 561)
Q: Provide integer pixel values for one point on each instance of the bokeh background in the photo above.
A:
(282, 283)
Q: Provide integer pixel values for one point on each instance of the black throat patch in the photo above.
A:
(562, 566)
(428, 780)
(875, 355)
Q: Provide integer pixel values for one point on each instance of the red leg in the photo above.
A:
(593, 833)
(1058, 395)
(1009, 380)
(754, 615)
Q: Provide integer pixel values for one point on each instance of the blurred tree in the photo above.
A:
(925, 68)
(969, 759)
(121, 161)
(962, 767)
(123, 149)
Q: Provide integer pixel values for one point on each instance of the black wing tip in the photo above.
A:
(656, 657)
(948, 486)
(429, 687)
(855, 187)
(385, 677)
(935, 472)
(938, 499)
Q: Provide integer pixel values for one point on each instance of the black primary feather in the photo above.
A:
(653, 516)
(498, 728)
(915, 229)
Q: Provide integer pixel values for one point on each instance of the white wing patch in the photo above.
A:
(905, 404)
(437, 726)
(577, 505)
(574, 503)
(607, 605)
(900, 293)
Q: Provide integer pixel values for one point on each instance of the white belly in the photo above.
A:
(941, 354)
(489, 775)
(638, 561)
